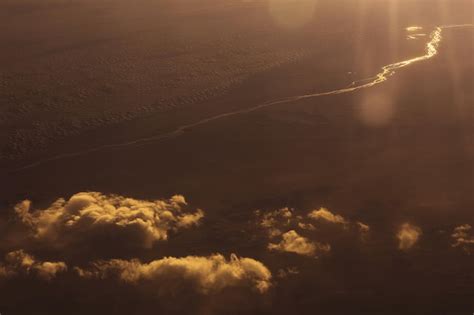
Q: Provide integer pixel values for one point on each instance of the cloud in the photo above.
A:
(4, 272)
(306, 226)
(309, 234)
(273, 221)
(287, 272)
(407, 236)
(95, 215)
(90, 231)
(363, 228)
(325, 214)
(292, 242)
(207, 275)
(462, 238)
(20, 262)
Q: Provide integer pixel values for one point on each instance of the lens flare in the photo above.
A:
(291, 14)
(376, 110)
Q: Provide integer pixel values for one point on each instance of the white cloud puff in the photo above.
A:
(208, 275)
(462, 238)
(407, 236)
(292, 242)
(93, 213)
(21, 262)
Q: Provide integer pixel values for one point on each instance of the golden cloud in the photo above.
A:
(285, 224)
(325, 214)
(273, 220)
(208, 275)
(21, 262)
(93, 213)
(462, 238)
(292, 242)
(408, 235)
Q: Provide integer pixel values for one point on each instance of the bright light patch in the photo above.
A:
(414, 28)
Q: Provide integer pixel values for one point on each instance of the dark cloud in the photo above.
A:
(292, 242)
(20, 262)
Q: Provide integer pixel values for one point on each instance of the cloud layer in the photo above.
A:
(68, 237)
(84, 227)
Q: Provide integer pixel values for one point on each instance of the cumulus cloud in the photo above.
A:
(308, 234)
(407, 236)
(19, 261)
(462, 238)
(292, 242)
(93, 214)
(325, 214)
(274, 221)
(208, 275)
